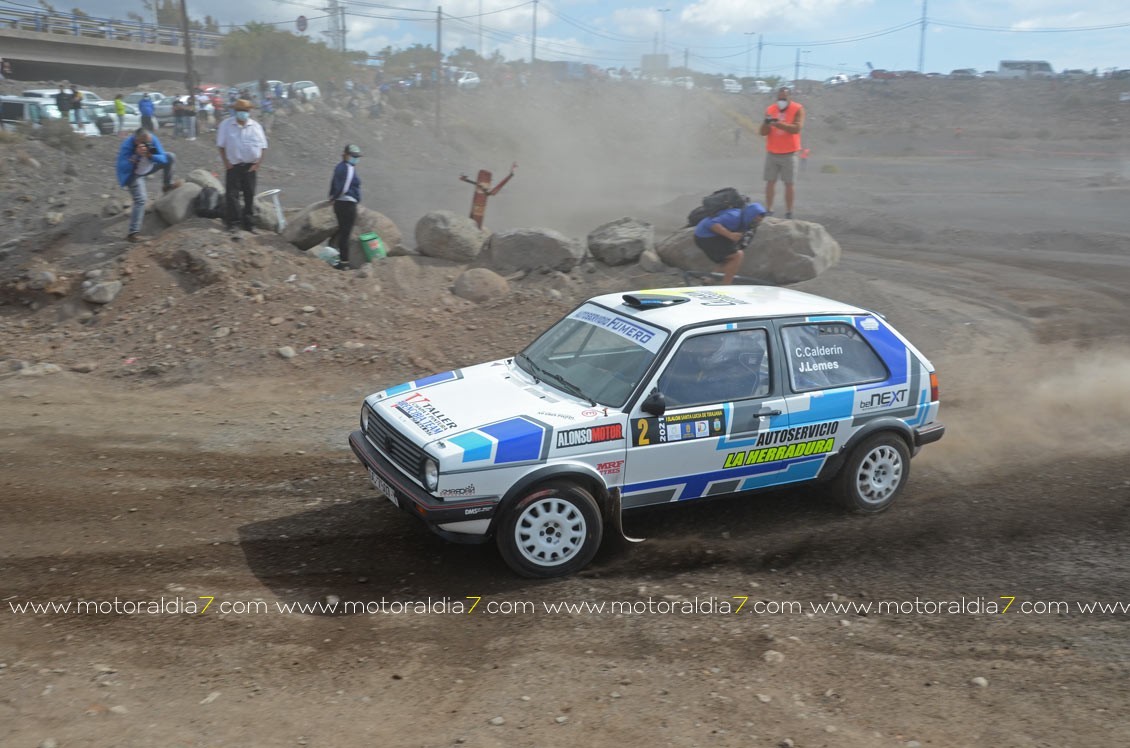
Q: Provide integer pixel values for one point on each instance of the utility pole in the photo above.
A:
(748, 48)
(480, 29)
(663, 29)
(796, 70)
(922, 41)
(336, 32)
(189, 73)
(439, 66)
(534, 40)
(759, 41)
(341, 28)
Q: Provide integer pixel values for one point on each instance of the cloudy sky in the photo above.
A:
(716, 36)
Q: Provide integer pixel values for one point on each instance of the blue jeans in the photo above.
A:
(141, 196)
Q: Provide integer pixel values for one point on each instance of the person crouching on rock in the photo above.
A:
(722, 237)
(345, 192)
(140, 155)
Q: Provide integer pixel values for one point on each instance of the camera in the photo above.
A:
(770, 120)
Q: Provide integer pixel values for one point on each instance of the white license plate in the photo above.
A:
(383, 487)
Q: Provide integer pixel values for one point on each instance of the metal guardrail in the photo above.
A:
(91, 27)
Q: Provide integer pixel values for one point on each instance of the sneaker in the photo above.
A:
(136, 237)
(768, 213)
(173, 185)
(339, 265)
(789, 215)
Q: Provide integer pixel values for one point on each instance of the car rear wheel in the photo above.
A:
(552, 531)
(874, 474)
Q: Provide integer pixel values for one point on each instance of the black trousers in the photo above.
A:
(346, 212)
(238, 180)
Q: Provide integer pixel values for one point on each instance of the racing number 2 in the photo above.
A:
(641, 435)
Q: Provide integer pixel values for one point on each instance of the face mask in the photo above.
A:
(352, 160)
(782, 104)
(242, 116)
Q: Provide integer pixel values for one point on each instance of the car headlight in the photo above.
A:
(431, 474)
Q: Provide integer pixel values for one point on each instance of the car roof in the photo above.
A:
(713, 303)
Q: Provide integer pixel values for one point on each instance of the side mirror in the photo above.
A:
(654, 404)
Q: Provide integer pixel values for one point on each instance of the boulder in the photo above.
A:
(266, 216)
(622, 241)
(480, 284)
(313, 225)
(204, 178)
(178, 205)
(373, 221)
(531, 249)
(102, 293)
(650, 263)
(783, 252)
(443, 234)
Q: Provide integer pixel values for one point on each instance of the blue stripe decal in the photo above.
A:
(398, 389)
(519, 440)
(892, 350)
(476, 447)
(694, 486)
(828, 405)
(435, 379)
(803, 470)
(831, 318)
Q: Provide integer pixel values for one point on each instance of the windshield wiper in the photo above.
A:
(569, 387)
(535, 369)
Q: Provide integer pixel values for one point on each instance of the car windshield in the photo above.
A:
(594, 354)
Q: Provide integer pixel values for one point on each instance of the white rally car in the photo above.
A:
(646, 398)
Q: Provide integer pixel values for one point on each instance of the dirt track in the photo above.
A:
(236, 483)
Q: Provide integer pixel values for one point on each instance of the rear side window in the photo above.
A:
(830, 354)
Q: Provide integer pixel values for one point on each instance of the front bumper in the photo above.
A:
(418, 502)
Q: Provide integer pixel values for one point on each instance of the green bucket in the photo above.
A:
(372, 246)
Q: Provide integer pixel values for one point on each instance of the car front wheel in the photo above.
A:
(552, 531)
(874, 474)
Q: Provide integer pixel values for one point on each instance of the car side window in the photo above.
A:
(717, 367)
(830, 354)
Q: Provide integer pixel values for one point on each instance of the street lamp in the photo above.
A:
(748, 49)
(663, 29)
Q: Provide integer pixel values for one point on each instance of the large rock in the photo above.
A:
(480, 284)
(313, 225)
(650, 263)
(372, 221)
(531, 249)
(102, 293)
(266, 216)
(783, 252)
(178, 205)
(204, 178)
(622, 241)
(449, 236)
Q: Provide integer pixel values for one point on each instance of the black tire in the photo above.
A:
(552, 531)
(874, 474)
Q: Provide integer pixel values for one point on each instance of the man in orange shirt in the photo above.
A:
(783, 122)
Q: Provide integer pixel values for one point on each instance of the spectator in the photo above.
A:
(178, 118)
(140, 155)
(63, 101)
(723, 237)
(267, 114)
(242, 145)
(76, 106)
(120, 111)
(345, 192)
(145, 106)
(783, 122)
(5, 69)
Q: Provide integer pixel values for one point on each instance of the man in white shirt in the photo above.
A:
(242, 145)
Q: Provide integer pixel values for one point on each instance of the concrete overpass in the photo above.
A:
(100, 51)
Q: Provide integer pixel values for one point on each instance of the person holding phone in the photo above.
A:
(784, 119)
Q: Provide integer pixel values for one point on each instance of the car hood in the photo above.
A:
(482, 406)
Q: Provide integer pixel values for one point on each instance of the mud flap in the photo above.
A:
(616, 516)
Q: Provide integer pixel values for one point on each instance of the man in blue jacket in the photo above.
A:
(146, 108)
(722, 237)
(345, 192)
(140, 155)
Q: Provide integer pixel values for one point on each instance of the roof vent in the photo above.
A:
(651, 301)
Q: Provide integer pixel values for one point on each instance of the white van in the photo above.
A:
(1025, 69)
(729, 85)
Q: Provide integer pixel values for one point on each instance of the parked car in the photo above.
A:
(309, 88)
(648, 398)
(760, 87)
(1075, 74)
(35, 110)
(836, 80)
(683, 81)
(50, 93)
(131, 120)
(964, 74)
(136, 96)
(467, 80)
(731, 86)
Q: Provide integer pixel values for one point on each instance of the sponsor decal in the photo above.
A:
(610, 468)
(464, 491)
(783, 452)
(590, 435)
(813, 351)
(798, 433)
(883, 400)
(562, 416)
(427, 417)
(645, 336)
(590, 413)
(869, 323)
(472, 510)
(818, 366)
(713, 298)
(702, 424)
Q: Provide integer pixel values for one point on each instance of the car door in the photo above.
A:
(721, 391)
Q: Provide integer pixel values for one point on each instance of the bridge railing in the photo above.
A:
(92, 27)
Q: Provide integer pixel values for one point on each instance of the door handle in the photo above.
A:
(767, 413)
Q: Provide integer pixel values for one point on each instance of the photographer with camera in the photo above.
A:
(784, 119)
(724, 237)
(140, 155)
